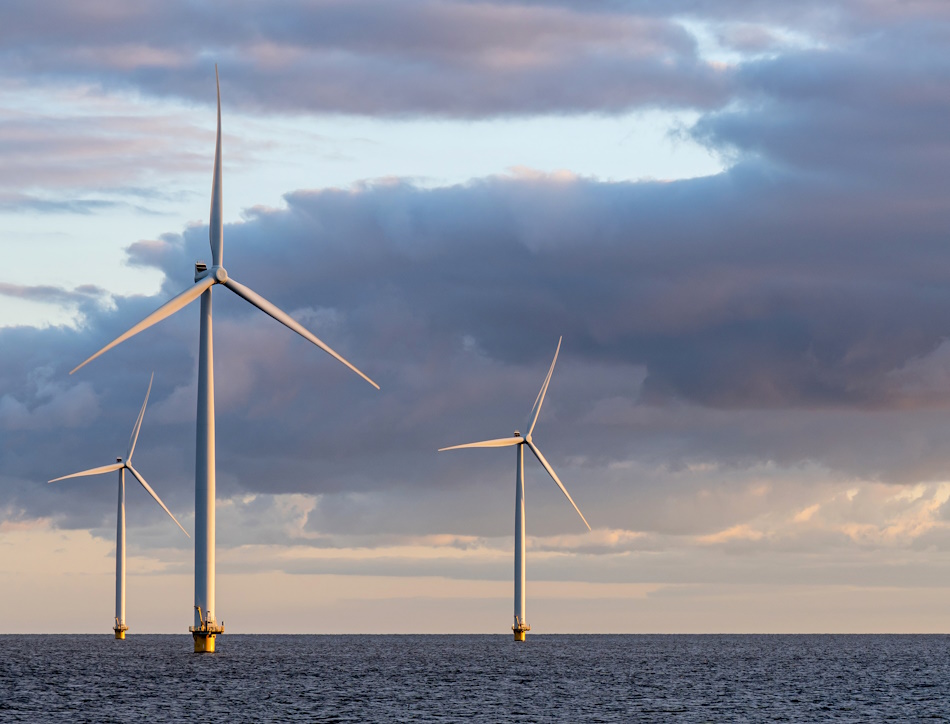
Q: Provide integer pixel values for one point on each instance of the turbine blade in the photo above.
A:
(547, 466)
(166, 310)
(138, 423)
(501, 442)
(536, 410)
(158, 500)
(258, 301)
(94, 471)
(215, 225)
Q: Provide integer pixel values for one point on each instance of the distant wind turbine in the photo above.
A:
(205, 624)
(521, 626)
(123, 465)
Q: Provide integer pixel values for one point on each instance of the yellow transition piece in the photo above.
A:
(204, 643)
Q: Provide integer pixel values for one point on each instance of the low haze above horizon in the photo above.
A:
(736, 213)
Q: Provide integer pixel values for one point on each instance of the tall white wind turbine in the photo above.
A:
(122, 465)
(205, 623)
(520, 626)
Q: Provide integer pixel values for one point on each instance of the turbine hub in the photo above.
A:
(220, 274)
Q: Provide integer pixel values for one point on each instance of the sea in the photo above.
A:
(477, 678)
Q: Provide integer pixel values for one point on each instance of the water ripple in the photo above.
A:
(476, 678)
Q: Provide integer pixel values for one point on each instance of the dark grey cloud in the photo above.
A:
(412, 57)
(696, 329)
(787, 312)
(791, 102)
(448, 59)
(429, 58)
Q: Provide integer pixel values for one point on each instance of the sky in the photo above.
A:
(735, 213)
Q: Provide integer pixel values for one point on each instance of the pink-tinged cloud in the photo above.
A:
(410, 58)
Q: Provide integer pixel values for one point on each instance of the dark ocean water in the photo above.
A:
(476, 678)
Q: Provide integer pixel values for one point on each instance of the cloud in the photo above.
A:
(414, 57)
(70, 408)
(702, 367)
(685, 314)
(86, 153)
(52, 294)
(450, 59)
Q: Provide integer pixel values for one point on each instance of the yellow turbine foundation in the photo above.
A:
(204, 643)
(120, 630)
(520, 630)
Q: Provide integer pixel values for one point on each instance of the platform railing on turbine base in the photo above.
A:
(520, 628)
(120, 629)
(204, 634)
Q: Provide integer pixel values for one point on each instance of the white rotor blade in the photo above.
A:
(536, 410)
(547, 466)
(258, 301)
(158, 500)
(215, 226)
(94, 471)
(166, 310)
(138, 423)
(500, 442)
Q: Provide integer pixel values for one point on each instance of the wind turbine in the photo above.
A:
(122, 465)
(520, 626)
(205, 624)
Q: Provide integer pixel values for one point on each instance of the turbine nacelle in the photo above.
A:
(217, 272)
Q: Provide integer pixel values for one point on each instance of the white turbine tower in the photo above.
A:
(205, 624)
(122, 465)
(520, 626)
